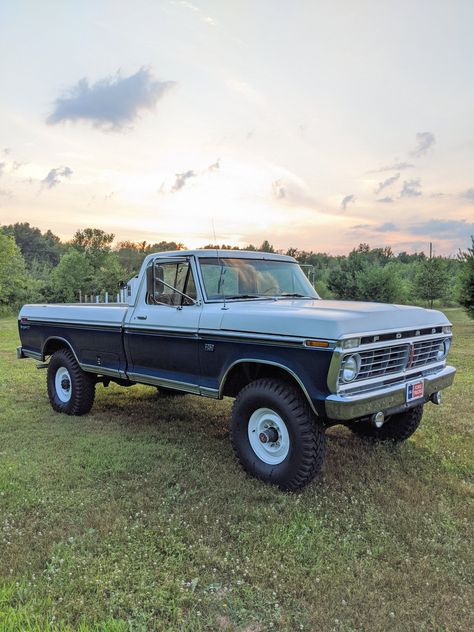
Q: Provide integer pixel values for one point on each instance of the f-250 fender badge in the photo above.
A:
(208, 347)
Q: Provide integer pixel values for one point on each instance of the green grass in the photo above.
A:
(137, 517)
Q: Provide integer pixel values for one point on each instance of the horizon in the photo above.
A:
(206, 122)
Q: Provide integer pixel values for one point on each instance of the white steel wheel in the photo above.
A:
(268, 436)
(62, 384)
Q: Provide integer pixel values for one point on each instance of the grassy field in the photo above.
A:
(137, 517)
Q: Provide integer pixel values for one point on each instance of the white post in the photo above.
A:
(96, 298)
(106, 297)
(118, 298)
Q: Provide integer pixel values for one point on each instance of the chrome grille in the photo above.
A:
(425, 352)
(395, 359)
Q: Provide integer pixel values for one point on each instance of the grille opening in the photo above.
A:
(395, 359)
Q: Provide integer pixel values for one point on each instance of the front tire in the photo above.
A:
(275, 435)
(397, 428)
(70, 389)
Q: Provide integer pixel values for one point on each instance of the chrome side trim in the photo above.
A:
(269, 362)
(209, 392)
(25, 353)
(77, 324)
(244, 336)
(346, 407)
(158, 381)
(100, 370)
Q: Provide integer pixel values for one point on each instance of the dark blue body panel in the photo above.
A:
(179, 357)
(93, 345)
(310, 365)
(162, 355)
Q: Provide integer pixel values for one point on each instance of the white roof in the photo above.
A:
(223, 254)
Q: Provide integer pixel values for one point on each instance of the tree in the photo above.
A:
(94, 243)
(466, 284)
(431, 279)
(13, 276)
(34, 245)
(366, 275)
(266, 246)
(73, 273)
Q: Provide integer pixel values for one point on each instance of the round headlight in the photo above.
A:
(350, 367)
(443, 349)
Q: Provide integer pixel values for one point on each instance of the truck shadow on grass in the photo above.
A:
(186, 419)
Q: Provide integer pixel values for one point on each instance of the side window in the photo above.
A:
(167, 282)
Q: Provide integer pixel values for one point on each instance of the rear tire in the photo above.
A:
(275, 435)
(70, 389)
(398, 428)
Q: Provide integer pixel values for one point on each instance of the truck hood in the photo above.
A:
(324, 319)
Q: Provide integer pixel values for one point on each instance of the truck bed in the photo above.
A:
(93, 331)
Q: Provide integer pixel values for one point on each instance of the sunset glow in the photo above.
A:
(317, 125)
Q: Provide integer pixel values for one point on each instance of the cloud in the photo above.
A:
(424, 140)
(55, 176)
(443, 228)
(348, 199)
(386, 228)
(361, 226)
(386, 183)
(7, 151)
(411, 188)
(181, 179)
(396, 166)
(386, 200)
(468, 195)
(112, 102)
(294, 192)
(215, 166)
(2, 167)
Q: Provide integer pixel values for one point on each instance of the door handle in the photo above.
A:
(142, 317)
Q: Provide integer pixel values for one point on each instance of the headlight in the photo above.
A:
(350, 367)
(443, 349)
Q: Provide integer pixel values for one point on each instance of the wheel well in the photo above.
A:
(54, 344)
(245, 372)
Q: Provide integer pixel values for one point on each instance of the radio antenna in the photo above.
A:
(219, 262)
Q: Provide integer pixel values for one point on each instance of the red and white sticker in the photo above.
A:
(415, 390)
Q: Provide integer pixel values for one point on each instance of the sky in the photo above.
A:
(315, 124)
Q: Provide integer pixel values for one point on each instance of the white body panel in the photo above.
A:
(80, 313)
(302, 318)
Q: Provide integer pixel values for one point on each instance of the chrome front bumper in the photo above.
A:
(346, 407)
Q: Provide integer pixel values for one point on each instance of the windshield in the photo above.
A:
(240, 278)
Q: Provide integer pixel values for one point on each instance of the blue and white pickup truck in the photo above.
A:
(249, 325)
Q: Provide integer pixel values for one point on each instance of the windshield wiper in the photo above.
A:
(294, 295)
(236, 296)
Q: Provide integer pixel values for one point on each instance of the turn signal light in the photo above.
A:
(316, 343)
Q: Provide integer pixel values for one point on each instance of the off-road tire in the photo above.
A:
(306, 434)
(398, 428)
(82, 384)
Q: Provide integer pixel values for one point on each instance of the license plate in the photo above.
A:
(415, 390)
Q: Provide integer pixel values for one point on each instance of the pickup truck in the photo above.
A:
(249, 325)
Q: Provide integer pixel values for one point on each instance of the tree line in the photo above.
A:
(37, 266)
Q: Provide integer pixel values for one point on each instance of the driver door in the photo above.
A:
(161, 336)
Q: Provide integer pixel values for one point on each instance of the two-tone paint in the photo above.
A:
(200, 348)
